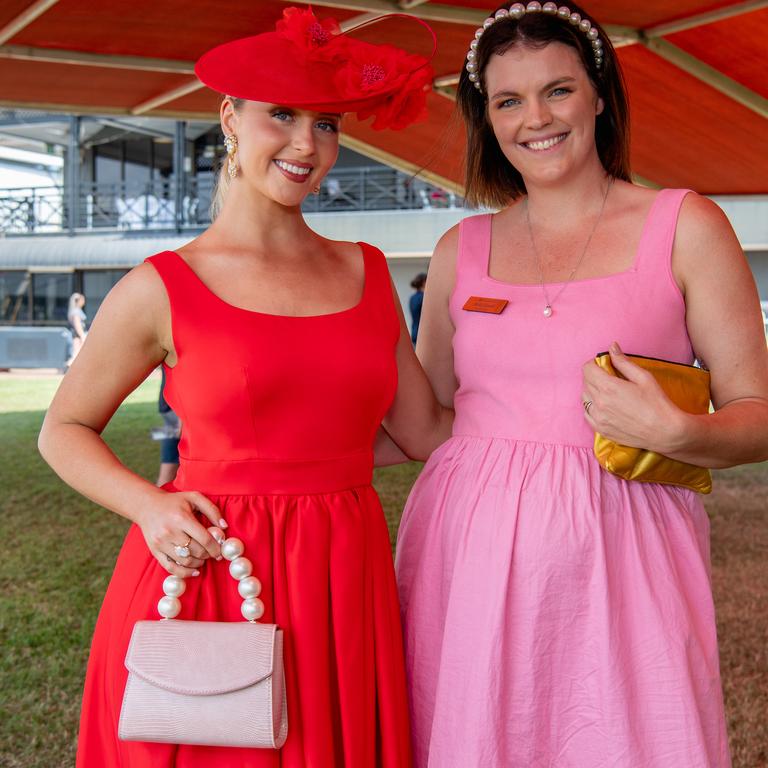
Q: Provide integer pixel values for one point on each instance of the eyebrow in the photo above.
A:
(552, 84)
(289, 108)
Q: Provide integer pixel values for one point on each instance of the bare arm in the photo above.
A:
(725, 326)
(386, 452)
(416, 421)
(421, 417)
(130, 336)
(435, 343)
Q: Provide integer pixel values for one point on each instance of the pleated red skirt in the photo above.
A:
(325, 564)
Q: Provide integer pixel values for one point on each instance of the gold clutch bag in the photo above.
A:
(688, 388)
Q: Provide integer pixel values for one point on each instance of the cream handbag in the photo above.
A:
(207, 682)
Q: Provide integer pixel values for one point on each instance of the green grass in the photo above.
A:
(59, 550)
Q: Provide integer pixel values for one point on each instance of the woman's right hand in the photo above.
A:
(173, 522)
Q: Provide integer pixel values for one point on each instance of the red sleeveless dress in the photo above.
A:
(279, 416)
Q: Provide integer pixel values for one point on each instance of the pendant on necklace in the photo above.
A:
(547, 311)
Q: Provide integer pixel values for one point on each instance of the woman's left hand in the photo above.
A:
(633, 411)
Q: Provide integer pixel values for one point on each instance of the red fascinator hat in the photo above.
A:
(309, 63)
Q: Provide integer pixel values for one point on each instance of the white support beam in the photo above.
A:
(621, 35)
(59, 56)
(700, 19)
(69, 109)
(708, 75)
(446, 92)
(25, 18)
(105, 109)
(445, 81)
(643, 182)
(358, 20)
(362, 6)
(451, 14)
(401, 165)
(168, 96)
(427, 11)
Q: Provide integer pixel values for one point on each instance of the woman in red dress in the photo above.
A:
(283, 351)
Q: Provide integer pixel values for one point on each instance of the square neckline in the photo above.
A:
(366, 281)
(631, 268)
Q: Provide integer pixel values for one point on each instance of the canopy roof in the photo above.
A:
(696, 71)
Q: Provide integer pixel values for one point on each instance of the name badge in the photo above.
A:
(485, 304)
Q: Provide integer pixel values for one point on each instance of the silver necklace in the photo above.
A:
(550, 302)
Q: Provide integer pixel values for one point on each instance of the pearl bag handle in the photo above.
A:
(240, 568)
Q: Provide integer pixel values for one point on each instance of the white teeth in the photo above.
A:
(546, 144)
(293, 168)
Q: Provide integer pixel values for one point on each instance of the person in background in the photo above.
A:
(76, 319)
(169, 441)
(414, 304)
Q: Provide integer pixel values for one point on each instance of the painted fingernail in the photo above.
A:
(223, 523)
(215, 532)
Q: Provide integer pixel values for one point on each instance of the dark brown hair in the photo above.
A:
(491, 180)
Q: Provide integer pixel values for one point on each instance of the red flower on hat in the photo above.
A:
(402, 79)
(407, 105)
(305, 29)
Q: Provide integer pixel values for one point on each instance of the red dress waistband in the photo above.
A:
(275, 476)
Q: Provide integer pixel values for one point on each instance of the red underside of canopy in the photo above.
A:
(684, 131)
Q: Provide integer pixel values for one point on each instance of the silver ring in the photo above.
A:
(587, 405)
(182, 550)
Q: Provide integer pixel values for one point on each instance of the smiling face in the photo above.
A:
(283, 153)
(542, 109)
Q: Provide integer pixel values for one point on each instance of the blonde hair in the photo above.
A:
(74, 302)
(223, 180)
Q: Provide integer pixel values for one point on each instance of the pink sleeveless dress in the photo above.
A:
(556, 615)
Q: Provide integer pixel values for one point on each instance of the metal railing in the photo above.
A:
(153, 205)
(376, 189)
(32, 209)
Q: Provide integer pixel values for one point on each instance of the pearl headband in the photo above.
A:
(517, 11)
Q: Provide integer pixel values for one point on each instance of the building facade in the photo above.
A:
(84, 199)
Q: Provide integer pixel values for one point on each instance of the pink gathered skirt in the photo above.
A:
(556, 616)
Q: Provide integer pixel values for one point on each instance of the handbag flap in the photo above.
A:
(685, 385)
(201, 657)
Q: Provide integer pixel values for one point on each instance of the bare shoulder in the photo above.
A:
(138, 304)
(704, 233)
(446, 251)
(140, 290)
(449, 240)
(700, 220)
(344, 251)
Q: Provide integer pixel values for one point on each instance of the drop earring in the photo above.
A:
(316, 190)
(230, 142)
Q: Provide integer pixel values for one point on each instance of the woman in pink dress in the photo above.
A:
(555, 614)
